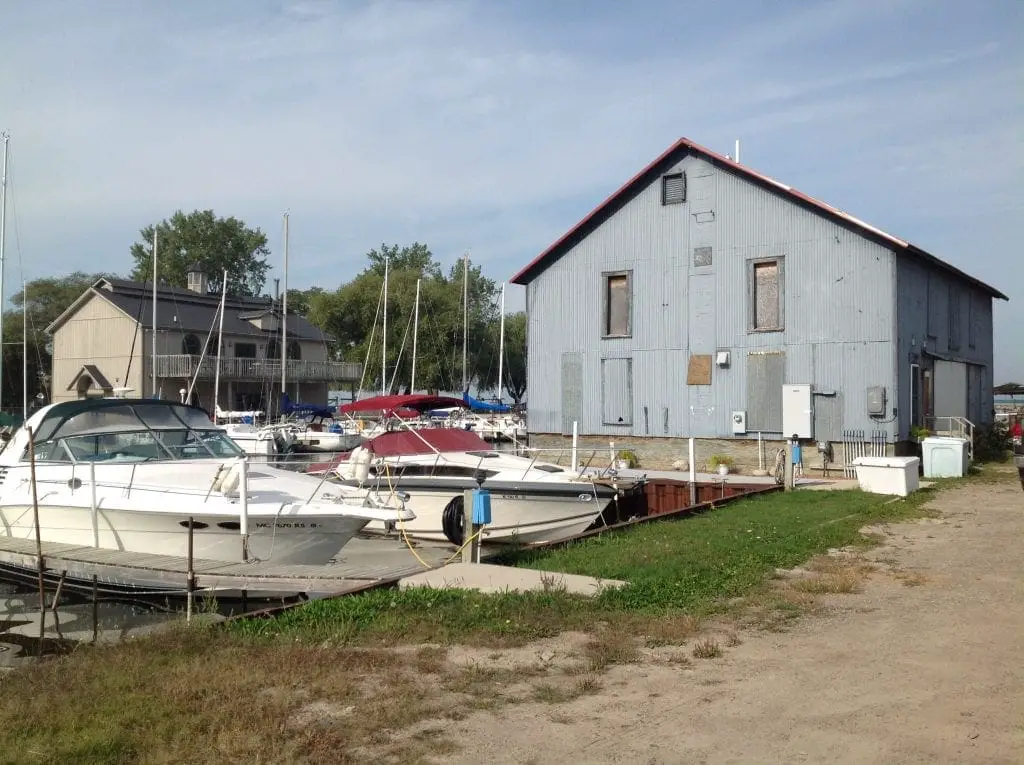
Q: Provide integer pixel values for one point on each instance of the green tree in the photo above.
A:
(353, 316)
(215, 244)
(47, 299)
(515, 355)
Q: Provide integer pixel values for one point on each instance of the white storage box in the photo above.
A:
(888, 475)
(944, 457)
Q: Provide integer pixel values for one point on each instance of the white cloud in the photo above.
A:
(486, 126)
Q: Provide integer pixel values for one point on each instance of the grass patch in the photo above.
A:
(323, 683)
(707, 649)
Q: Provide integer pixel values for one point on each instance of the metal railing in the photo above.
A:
(231, 367)
(958, 427)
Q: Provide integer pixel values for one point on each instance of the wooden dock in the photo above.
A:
(365, 562)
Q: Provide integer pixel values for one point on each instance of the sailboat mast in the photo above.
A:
(284, 315)
(24, 349)
(3, 240)
(220, 340)
(465, 318)
(152, 355)
(501, 343)
(415, 335)
(384, 338)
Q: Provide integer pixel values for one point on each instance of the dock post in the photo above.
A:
(469, 548)
(693, 473)
(788, 467)
(243, 488)
(35, 517)
(95, 609)
(94, 505)
(575, 444)
(190, 576)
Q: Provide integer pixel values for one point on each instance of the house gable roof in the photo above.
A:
(94, 374)
(681, 149)
(186, 311)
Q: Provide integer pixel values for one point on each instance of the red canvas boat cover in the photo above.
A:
(406, 442)
(394, 404)
(399, 442)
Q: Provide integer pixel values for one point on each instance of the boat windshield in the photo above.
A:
(132, 432)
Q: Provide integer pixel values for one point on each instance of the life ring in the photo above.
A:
(453, 521)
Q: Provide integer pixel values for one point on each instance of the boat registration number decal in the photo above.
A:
(288, 525)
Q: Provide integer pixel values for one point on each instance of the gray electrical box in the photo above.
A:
(876, 401)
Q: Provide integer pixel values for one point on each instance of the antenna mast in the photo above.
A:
(415, 334)
(284, 315)
(152, 358)
(3, 239)
(465, 318)
(384, 338)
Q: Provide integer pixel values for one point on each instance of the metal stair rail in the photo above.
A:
(957, 427)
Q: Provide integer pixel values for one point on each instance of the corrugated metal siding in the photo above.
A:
(572, 390)
(934, 312)
(838, 298)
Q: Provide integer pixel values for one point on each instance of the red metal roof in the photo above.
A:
(673, 154)
(394, 404)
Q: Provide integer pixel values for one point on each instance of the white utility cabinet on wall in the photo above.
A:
(797, 411)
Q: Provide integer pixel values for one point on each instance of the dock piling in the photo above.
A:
(35, 518)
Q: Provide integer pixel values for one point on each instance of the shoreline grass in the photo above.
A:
(346, 680)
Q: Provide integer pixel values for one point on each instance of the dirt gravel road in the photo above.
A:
(926, 665)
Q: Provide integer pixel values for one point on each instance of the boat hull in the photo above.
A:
(282, 539)
(520, 513)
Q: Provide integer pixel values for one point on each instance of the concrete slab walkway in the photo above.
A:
(487, 577)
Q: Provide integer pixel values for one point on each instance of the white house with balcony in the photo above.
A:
(104, 341)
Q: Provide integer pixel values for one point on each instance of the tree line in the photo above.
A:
(349, 315)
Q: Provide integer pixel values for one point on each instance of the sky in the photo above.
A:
(494, 127)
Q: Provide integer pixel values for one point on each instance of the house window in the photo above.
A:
(245, 350)
(191, 346)
(618, 304)
(294, 350)
(673, 188)
(766, 295)
(274, 350)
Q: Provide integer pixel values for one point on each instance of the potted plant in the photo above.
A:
(721, 463)
(627, 459)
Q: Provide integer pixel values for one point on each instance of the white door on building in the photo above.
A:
(950, 385)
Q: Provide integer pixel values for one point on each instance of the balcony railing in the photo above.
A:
(231, 368)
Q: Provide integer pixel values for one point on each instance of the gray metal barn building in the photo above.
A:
(705, 299)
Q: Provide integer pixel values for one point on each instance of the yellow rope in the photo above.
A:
(405, 534)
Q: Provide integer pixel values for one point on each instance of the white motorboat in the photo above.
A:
(127, 474)
(531, 501)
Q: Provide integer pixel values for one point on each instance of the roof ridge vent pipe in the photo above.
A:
(736, 157)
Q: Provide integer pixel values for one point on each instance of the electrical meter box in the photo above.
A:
(797, 411)
(876, 401)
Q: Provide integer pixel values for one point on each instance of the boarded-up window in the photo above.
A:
(766, 295)
(765, 374)
(617, 391)
(673, 188)
(954, 318)
(698, 372)
(618, 298)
